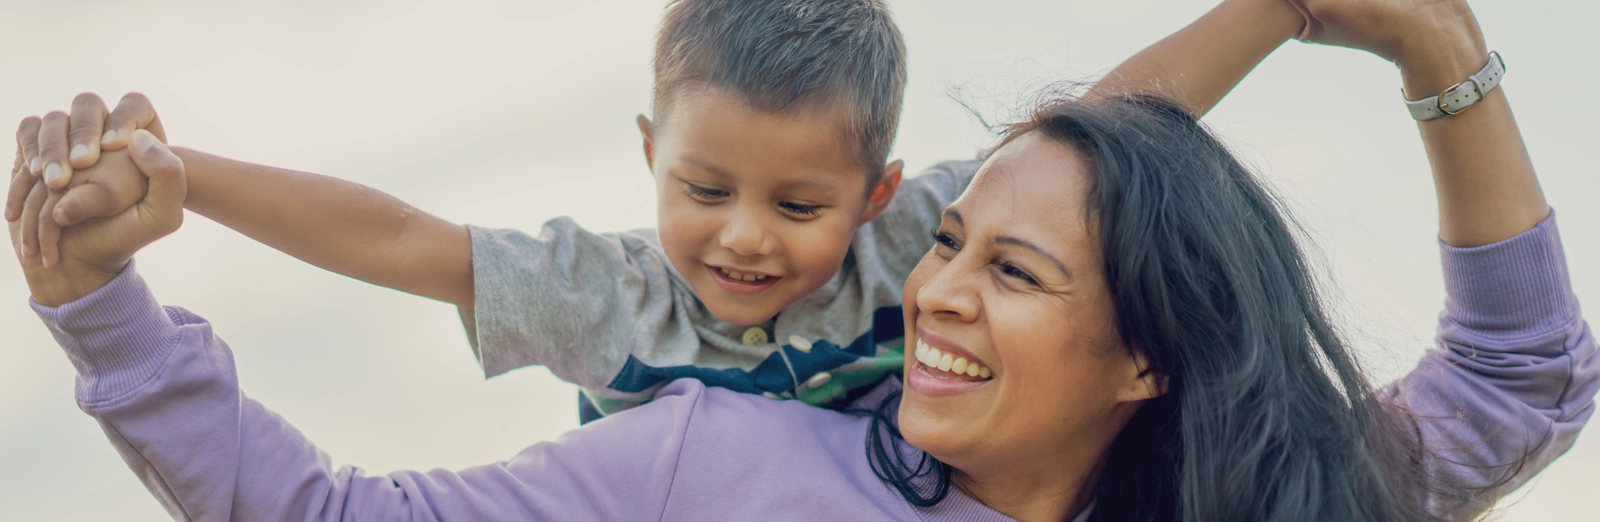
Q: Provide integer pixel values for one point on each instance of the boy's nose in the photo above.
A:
(746, 238)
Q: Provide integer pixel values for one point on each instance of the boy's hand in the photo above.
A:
(42, 152)
(1392, 29)
(95, 251)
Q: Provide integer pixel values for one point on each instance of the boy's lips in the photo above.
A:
(741, 282)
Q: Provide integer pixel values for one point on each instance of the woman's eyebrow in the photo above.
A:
(1008, 240)
(954, 215)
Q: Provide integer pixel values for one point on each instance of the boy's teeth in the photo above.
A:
(742, 276)
(935, 358)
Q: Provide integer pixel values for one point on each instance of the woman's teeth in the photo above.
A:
(935, 358)
(741, 276)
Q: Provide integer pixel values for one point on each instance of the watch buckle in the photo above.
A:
(1440, 99)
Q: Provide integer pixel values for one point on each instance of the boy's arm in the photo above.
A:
(1196, 66)
(335, 224)
(340, 226)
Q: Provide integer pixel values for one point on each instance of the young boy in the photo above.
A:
(784, 234)
(781, 249)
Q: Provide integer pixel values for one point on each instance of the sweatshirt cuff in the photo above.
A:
(1515, 287)
(117, 337)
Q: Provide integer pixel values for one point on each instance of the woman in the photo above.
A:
(1148, 341)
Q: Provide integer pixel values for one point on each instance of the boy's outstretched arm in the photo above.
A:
(341, 226)
(335, 224)
(1200, 63)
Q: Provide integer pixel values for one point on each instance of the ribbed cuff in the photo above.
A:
(1512, 287)
(117, 337)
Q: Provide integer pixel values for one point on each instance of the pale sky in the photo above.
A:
(511, 113)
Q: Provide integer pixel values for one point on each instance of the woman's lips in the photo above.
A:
(934, 373)
(741, 282)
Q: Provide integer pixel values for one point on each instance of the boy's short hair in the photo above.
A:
(788, 55)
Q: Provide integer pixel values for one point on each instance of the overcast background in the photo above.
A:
(510, 113)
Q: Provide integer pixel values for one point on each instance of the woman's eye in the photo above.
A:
(1015, 272)
(800, 209)
(946, 240)
(704, 193)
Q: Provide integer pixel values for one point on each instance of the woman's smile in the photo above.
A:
(941, 368)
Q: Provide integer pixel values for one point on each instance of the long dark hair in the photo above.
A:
(1267, 416)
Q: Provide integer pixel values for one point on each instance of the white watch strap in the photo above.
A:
(1462, 95)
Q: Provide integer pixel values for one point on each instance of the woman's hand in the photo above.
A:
(95, 251)
(1401, 31)
(1486, 185)
(58, 152)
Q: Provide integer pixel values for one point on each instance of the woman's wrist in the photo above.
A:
(68, 281)
(1441, 55)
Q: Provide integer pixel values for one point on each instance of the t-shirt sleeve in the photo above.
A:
(897, 239)
(569, 299)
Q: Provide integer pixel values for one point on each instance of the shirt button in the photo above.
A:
(800, 343)
(755, 336)
(819, 379)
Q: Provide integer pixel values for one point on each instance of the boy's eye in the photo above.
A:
(800, 209)
(704, 193)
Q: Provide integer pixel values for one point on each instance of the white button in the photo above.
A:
(819, 379)
(800, 343)
(755, 336)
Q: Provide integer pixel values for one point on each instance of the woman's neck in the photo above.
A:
(1042, 493)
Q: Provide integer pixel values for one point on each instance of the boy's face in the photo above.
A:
(757, 209)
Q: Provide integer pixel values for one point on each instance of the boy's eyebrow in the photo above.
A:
(811, 182)
(707, 166)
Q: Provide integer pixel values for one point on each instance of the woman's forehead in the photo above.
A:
(1032, 184)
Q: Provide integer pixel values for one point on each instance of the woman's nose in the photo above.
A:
(950, 292)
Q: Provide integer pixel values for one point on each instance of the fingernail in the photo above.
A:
(52, 172)
(143, 141)
(33, 166)
(78, 151)
(110, 135)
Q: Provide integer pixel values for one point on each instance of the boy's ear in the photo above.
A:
(878, 200)
(649, 148)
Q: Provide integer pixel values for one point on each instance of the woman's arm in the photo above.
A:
(1515, 374)
(1200, 63)
(163, 387)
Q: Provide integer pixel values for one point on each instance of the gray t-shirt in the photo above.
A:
(609, 313)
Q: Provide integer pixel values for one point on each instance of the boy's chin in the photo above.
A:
(739, 313)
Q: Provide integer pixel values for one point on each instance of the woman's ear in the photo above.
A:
(1145, 383)
(649, 148)
(881, 195)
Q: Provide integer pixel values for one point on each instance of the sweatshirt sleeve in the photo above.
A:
(1513, 376)
(165, 391)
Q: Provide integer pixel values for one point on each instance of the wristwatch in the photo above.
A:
(1462, 95)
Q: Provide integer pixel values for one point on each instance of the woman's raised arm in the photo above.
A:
(1196, 66)
(1516, 370)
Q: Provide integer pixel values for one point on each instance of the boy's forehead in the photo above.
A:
(726, 137)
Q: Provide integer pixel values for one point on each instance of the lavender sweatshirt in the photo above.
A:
(1514, 373)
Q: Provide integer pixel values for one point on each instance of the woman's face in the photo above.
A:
(1014, 286)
